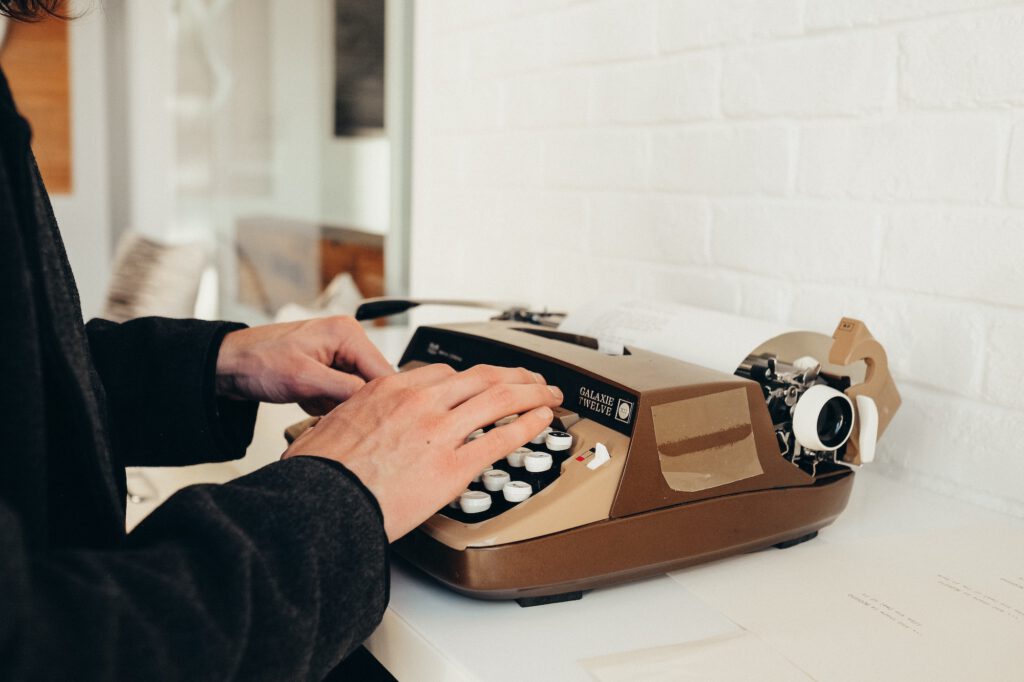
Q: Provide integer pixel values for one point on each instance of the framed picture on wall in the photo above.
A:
(358, 67)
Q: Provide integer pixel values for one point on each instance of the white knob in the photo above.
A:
(540, 437)
(515, 458)
(557, 441)
(505, 421)
(474, 501)
(495, 479)
(537, 462)
(454, 504)
(473, 436)
(822, 418)
(516, 491)
(868, 412)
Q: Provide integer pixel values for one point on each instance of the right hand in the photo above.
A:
(404, 435)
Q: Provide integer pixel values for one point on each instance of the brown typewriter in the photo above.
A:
(651, 463)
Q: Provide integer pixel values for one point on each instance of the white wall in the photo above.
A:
(355, 172)
(339, 181)
(355, 182)
(796, 160)
(84, 214)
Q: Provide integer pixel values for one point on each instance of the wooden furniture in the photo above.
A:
(34, 57)
(289, 261)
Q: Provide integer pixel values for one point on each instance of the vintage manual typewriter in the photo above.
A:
(651, 463)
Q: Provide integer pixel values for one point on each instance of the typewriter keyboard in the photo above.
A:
(512, 480)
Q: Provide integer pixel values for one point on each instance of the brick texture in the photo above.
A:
(794, 160)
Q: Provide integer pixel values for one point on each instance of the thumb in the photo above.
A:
(320, 382)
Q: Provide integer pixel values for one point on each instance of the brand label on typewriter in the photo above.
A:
(596, 401)
(605, 405)
(589, 397)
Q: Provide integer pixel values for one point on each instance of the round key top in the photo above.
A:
(540, 437)
(495, 479)
(473, 436)
(557, 441)
(505, 421)
(516, 491)
(536, 462)
(515, 458)
(475, 501)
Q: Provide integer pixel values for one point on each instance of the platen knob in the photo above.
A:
(822, 418)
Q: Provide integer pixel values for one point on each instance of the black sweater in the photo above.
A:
(277, 575)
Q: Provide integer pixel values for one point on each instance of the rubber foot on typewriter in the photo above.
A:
(550, 599)
(796, 541)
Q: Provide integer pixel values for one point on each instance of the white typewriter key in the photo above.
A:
(540, 437)
(556, 441)
(495, 479)
(516, 457)
(537, 462)
(516, 491)
(475, 501)
(454, 504)
(505, 421)
(473, 436)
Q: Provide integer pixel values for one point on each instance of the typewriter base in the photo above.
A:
(618, 550)
(796, 541)
(526, 602)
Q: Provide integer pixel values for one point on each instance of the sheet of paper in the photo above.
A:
(935, 606)
(704, 337)
(732, 657)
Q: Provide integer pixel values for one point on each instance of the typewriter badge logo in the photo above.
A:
(624, 411)
(433, 348)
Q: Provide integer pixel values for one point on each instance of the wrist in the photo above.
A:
(228, 367)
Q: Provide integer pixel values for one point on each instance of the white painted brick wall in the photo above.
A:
(852, 75)
(796, 160)
(723, 160)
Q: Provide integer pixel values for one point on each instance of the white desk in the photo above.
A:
(429, 633)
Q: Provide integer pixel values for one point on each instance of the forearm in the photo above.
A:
(277, 575)
(159, 379)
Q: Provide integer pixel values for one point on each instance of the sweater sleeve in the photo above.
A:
(158, 375)
(277, 575)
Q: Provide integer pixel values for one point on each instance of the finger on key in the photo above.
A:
(501, 400)
(427, 375)
(475, 380)
(499, 441)
(367, 359)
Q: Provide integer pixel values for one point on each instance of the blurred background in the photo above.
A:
(792, 160)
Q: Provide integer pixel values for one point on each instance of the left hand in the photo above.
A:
(317, 363)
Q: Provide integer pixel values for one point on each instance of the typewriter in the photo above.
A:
(651, 463)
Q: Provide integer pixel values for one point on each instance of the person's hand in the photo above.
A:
(404, 435)
(316, 363)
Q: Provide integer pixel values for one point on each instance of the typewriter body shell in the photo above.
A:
(695, 472)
